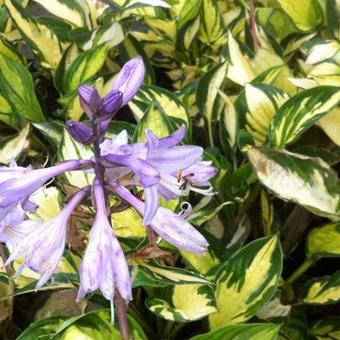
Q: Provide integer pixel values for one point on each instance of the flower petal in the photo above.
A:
(178, 232)
(173, 139)
(176, 158)
(113, 145)
(151, 204)
(147, 174)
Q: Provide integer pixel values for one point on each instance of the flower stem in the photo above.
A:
(122, 318)
(253, 29)
(100, 175)
(301, 270)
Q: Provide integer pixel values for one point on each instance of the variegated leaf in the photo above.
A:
(323, 290)
(230, 119)
(248, 280)
(202, 303)
(251, 331)
(212, 30)
(164, 99)
(40, 38)
(263, 102)
(68, 10)
(156, 275)
(321, 52)
(156, 120)
(324, 241)
(306, 14)
(239, 70)
(330, 123)
(17, 87)
(185, 11)
(300, 112)
(307, 181)
(85, 66)
(208, 98)
(70, 149)
(15, 146)
(110, 33)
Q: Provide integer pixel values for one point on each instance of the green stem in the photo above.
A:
(301, 270)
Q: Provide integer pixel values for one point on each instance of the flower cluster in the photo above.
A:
(156, 167)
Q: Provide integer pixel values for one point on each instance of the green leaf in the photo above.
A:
(41, 39)
(70, 149)
(248, 279)
(16, 86)
(324, 241)
(327, 328)
(300, 112)
(306, 14)
(84, 67)
(15, 146)
(304, 180)
(262, 101)
(202, 303)
(208, 99)
(255, 331)
(156, 120)
(323, 290)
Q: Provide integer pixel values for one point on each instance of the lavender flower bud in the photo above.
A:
(89, 99)
(130, 78)
(80, 132)
(112, 102)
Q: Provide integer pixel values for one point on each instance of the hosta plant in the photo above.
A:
(169, 169)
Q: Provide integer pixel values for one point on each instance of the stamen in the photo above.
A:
(112, 308)
(186, 210)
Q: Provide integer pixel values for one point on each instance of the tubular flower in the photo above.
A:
(17, 184)
(103, 266)
(13, 217)
(164, 168)
(125, 87)
(41, 242)
(171, 227)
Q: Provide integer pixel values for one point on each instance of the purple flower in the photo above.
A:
(125, 87)
(41, 242)
(12, 217)
(171, 227)
(17, 184)
(164, 168)
(103, 266)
